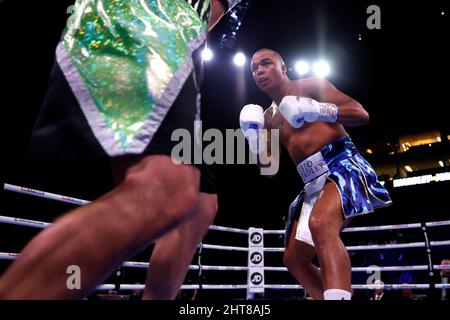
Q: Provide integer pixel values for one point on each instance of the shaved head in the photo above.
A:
(275, 53)
(268, 70)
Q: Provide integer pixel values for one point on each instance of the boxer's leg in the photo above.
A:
(174, 251)
(326, 223)
(297, 258)
(154, 197)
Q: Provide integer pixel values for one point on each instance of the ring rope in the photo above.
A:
(43, 194)
(280, 286)
(42, 225)
(58, 197)
(146, 265)
(385, 227)
(24, 222)
(235, 230)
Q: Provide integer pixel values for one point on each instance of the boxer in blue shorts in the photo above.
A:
(339, 183)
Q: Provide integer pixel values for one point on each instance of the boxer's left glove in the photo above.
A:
(296, 110)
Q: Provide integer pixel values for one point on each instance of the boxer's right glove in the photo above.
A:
(297, 110)
(251, 120)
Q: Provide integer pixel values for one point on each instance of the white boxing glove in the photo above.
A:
(296, 110)
(251, 121)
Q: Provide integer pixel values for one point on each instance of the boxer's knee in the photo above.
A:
(325, 226)
(181, 209)
(316, 226)
(321, 231)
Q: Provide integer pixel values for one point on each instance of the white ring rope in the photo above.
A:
(392, 286)
(41, 225)
(274, 232)
(441, 266)
(57, 197)
(386, 227)
(278, 286)
(8, 256)
(439, 243)
(387, 246)
(24, 222)
(437, 223)
(442, 285)
(236, 230)
(43, 194)
(218, 247)
(134, 264)
(219, 268)
(145, 265)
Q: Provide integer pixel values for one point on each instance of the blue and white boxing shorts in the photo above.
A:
(341, 163)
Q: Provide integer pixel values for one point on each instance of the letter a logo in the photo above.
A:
(374, 20)
(74, 280)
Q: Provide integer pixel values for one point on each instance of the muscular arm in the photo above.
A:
(351, 112)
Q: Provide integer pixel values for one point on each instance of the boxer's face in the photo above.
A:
(267, 69)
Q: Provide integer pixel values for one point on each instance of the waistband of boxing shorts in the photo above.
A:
(317, 164)
(312, 167)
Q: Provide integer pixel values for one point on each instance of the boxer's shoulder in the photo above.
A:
(312, 87)
(312, 81)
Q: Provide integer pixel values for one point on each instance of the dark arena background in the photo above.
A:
(399, 73)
